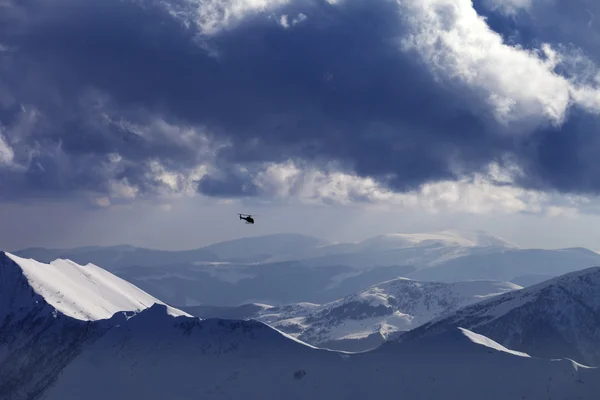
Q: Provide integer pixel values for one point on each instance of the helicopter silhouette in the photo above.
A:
(247, 217)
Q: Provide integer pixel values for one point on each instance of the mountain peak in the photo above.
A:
(80, 292)
(462, 238)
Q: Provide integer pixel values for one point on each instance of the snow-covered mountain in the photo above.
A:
(290, 268)
(47, 314)
(283, 247)
(264, 248)
(365, 320)
(245, 250)
(448, 238)
(554, 319)
(86, 293)
(53, 346)
(508, 264)
(115, 257)
(417, 249)
(157, 356)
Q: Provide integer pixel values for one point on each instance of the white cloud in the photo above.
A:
(122, 189)
(283, 21)
(509, 7)
(183, 182)
(518, 84)
(476, 195)
(102, 202)
(211, 16)
(300, 18)
(6, 152)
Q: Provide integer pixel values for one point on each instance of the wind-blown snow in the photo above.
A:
(84, 292)
(485, 341)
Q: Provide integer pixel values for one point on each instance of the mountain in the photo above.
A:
(244, 250)
(530, 280)
(400, 248)
(365, 320)
(245, 311)
(460, 238)
(509, 264)
(290, 268)
(49, 311)
(115, 257)
(157, 356)
(53, 346)
(236, 284)
(263, 248)
(387, 308)
(558, 318)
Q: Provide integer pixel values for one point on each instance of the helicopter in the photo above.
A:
(247, 217)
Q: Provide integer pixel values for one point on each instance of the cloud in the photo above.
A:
(510, 7)
(117, 100)
(518, 84)
(6, 153)
(477, 195)
(212, 16)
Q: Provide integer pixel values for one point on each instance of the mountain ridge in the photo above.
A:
(385, 308)
(54, 356)
(554, 318)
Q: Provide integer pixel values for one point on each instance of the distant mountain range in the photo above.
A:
(61, 338)
(291, 268)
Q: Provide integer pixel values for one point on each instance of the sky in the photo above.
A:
(154, 122)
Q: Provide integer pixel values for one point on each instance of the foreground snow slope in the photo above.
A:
(556, 318)
(364, 320)
(157, 356)
(48, 312)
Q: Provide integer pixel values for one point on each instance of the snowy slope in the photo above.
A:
(364, 320)
(83, 292)
(48, 312)
(161, 353)
(157, 356)
(556, 318)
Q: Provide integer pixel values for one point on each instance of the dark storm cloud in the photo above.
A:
(333, 87)
(228, 184)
